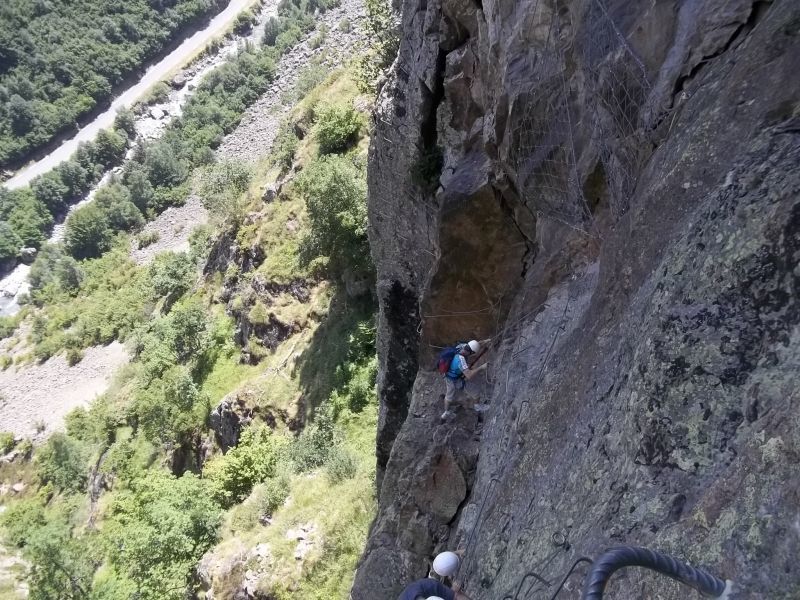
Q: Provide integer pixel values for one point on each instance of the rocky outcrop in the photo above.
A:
(618, 209)
(228, 419)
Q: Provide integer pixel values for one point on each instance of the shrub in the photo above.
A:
(383, 39)
(243, 22)
(312, 448)
(344, 25)
(157, 531)
(273, 494)
(337, 128)
(74, 356)
(272, 29)
(317, 40)
(7, 326)
(427, 169)
(258, 314)
(341, 464)
(232, 476)
(63, 462)
(171, 276)
(157, 94)
(228, 176)
(21, 519)
(147, 238)
(79, 424)
(284, 147)
(309, 78)
(6, 442)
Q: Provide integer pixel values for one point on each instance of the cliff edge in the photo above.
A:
(608, 189)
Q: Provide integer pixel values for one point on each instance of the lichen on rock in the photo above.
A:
(617, 207)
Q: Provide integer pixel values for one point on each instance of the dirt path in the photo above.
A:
(36, 395)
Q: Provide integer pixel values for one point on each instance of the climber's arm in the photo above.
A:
(470, 373)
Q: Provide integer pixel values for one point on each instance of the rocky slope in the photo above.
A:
(618, 209)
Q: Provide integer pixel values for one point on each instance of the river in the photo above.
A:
(148, 125)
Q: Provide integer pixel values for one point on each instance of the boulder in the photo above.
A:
(228, 419)
(27, 255)
(271, 191)
(178, 81)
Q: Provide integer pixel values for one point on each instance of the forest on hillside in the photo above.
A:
(59, 59)
(139, 491)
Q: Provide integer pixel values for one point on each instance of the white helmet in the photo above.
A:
(434, 598)
(474, 346)
(446, 564)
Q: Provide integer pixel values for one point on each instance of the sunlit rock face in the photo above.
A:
(618, 207)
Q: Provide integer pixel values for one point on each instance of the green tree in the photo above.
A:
(125, 121)
(29, 218)
(158, 530)
(189, 329)
(74, 176)
(335, 191)
(55, 269)
(62, 567)
(20, 115)
(63, 462)
(87, 232)
(109, 147)
(171, 407)
(121, 214)
(51, 191)
(163, 165)
(10, 243)
(139, 186)
(272, 29)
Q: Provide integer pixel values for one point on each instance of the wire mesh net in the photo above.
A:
(566, 62)
(616, 87)
(542, 153)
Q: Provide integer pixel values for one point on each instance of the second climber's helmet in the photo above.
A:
(446, 564)
(474, 346)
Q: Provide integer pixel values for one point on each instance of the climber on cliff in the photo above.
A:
(457, 371)
(430, 589)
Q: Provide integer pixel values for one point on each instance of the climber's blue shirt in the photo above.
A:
(423, 588)
(457, 366)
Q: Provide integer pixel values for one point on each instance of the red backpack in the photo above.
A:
(446, 358)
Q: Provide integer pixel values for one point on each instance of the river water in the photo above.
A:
(149, 125)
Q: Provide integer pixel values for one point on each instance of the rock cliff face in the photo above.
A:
(618, 208)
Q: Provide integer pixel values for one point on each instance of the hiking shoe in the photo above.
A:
(446, 415)
(480, 408)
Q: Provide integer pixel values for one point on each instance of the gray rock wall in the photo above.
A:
(619, 209)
